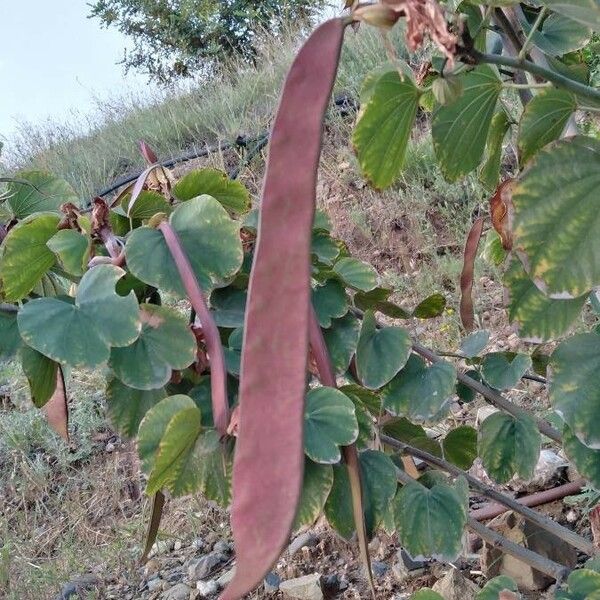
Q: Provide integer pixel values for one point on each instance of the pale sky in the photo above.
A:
(53, 59)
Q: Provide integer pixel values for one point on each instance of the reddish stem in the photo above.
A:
(218, 371)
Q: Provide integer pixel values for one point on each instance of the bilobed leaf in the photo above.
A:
(509, 445)
(433, 306)
(329, 422)
(489, 173)
(403, 430)
(341, 339)
(316, 486)
(503, 370)
(586, 460)
(420, 392)
(460, 446)
(383, 130)
(356, 274)
(45, 192)
(41, 374)
(213, 470)
(377, 301)
(324, 247)
(338, 507)
(460, 129)
(128, 406)
(543, 120)
(81, 333)
(557, 217)
(575, 386)
(228, 306)
(430, 521)
(72, 250)
(474, 343)
(209, 237)
(463, 391)
(491, 590)
(230, 193)
(583, 11)
(360, 395)
(539, 318)
(330, 301)
(146, 205)
(25, 257)
(10, 339)
(165, 343)
(559, 35)
(380, 353)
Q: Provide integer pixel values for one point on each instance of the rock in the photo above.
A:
(222, 547)
(453, 586)
(154, 584)
(73, 588)
(271, 583)
(406, 566)
(304, 588)
(151, 567)
(548, 464)
(225, 579)
(162, 547)
(304, 540)
(207, 588)
(331, 584)
(198, 544)
(200, 568)
(531, 536)
(379, 568)
(178, 545)
(177, 592)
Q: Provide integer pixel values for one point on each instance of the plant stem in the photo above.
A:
(538, 562)
(508, 85)
(534, 28)
(558, 530)
(493, 396)
(530, 67)
(218, 371)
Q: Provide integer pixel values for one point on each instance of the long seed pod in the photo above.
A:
(57, 408)
(467, 316)
(218, 370)
(158, 503)
(269, 458)
(350, 453)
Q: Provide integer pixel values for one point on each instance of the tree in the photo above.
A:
(178, 38)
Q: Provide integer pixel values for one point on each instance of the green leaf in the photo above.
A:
(341, 340)
(212, 182)
(503, 370)
(329, 422)
(318, 480)
(176, 450)
(558, 34)
(509, 445)
(575, 386)
(324, 247)
(228, 307)
(432, 306)
(557, 217)
(493, 252)
(41, 375)
(491, 590)
(330, 301)
(146, 205)
(10, 338)
(356, 274)
(378, 477)
(209, 237)
(380, 353)
(539, 318)
(377, 300)
(586, 460)
(420, 392)
(45, 193)
(25, 257)
(403, 430)
(426, 594)
(383, 130)
(464, 392)
(583, 11)
(489, 173)
(213, 470)
(543, 120)
(359, 395)
(166, 343)
(81, 334)
(72, 250)
(430, 521)
(460, 446)
(474, 343)
(128, 406)
(583, 584)
(460, 129)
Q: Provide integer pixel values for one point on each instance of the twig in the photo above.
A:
(538, 562)
(558, 530)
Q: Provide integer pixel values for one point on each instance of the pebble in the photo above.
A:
(226, 578)
(178, 592)
(304, 540)
(379, 568)
(207, 588)
(222, 546)
(201, 568)
(154, 584)
(271, 583)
